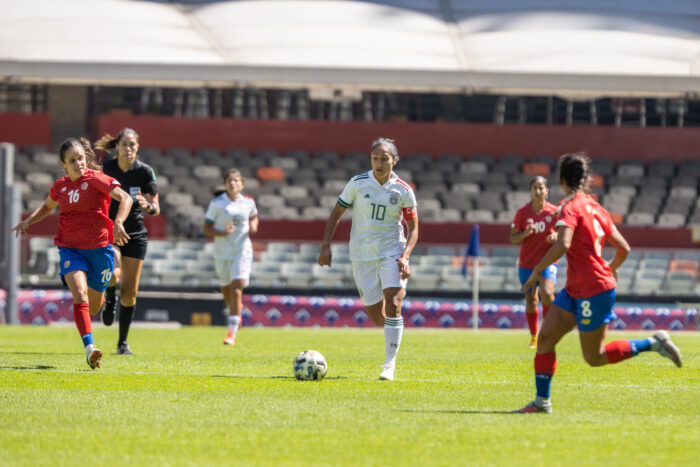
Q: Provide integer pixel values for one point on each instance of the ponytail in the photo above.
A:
(108, 141)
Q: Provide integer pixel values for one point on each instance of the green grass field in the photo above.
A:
(185, 399)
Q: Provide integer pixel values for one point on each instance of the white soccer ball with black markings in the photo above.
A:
(310, 366)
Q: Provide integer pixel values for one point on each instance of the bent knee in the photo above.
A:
(595, 360)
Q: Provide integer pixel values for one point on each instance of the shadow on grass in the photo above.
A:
(36, 367)
(271, 377)
(37, 353)
(503, 412)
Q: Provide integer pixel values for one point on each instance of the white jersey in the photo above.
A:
(221, 212)
(377, 211)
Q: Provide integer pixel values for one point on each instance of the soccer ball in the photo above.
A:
(310, 366)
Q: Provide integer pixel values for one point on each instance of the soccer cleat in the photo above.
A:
(93, 356)
(109, 311)
(123, 349)
(230, 339)
(666, 348)
(388, 372)
(533, 342)
(532, 407)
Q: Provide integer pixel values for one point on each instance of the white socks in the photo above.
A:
(233, 323)
(393, 330)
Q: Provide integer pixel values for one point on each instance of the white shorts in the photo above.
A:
(229, 270)
(372, 277)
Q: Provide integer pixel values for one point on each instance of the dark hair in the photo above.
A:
(538, 178)
(90, 157)
(386, 142)
(575, 170)
(110, 142)
(232, 172)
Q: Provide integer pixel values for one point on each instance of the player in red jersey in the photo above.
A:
(85, 233)
(589, 295)
(533, 227)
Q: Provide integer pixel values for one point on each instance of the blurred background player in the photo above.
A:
(230, 218)
(85, 233)
(139, 180)
(589, 295)
(379, 251)
(533, 227)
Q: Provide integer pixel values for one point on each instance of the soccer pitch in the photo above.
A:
(186, 399)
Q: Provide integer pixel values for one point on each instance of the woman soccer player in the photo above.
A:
(140, 181)
(589, 295)
(533, 227)
(379, 251)
(230, 218)
(85, 233)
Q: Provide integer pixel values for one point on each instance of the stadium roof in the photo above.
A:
(575, 48)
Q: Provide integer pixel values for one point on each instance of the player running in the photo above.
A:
(230, 218)
(589, 295)
(85, 233)
(140, 181)
(378, 248)
(533, 227)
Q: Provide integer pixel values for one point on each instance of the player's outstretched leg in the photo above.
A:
(666, 348)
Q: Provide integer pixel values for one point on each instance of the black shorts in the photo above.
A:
(136, 247)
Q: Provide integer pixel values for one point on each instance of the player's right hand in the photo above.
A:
(324, 258)
(230, 228)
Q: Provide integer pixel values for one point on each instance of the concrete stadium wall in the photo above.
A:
(412, 137)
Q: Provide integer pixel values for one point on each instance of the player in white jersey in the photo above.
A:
(378, 248)
(230, 218)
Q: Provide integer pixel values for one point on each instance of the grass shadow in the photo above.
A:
(272, 377)
(37, 353)
(502, 412)
(36, 367)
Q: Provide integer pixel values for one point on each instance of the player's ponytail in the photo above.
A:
(575, 171)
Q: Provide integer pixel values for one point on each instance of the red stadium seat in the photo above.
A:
(684, 265)
(267, 174)
(537, 168)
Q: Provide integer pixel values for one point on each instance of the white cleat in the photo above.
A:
(93, 355)
(388, 372)
(666, 348)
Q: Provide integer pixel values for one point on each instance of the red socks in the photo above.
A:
(81, 314)
(532, 322)
(546, 363)
(618, 351)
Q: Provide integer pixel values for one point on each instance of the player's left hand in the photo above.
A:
(404, 268)
(531, 281)
(21, 228)
(552, 237)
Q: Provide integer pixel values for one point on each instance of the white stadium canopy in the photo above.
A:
(574, 48)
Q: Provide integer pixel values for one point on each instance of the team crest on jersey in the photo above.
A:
(548, 218)
(63, 189)
(394, 198)
(83, 186)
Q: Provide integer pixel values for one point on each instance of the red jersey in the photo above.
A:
(534, 247)
(587, 274)
(83, 220)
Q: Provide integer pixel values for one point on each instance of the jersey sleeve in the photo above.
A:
(569, 216)
(253, 209)
(104, 183)
(347, 197)
(150, 185)
(213, 212)
(54, 190)
(410, 205)
(518, 221)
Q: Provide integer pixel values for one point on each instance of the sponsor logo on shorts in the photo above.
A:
(66, 263)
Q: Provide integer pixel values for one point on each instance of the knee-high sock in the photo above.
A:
(234, 323)
(393, 331)
(545, 310)
(545, 365)
(126, 314)
(81, 315)
(623, 349)
(532, 322)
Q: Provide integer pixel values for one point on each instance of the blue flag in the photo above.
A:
(472, 248)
